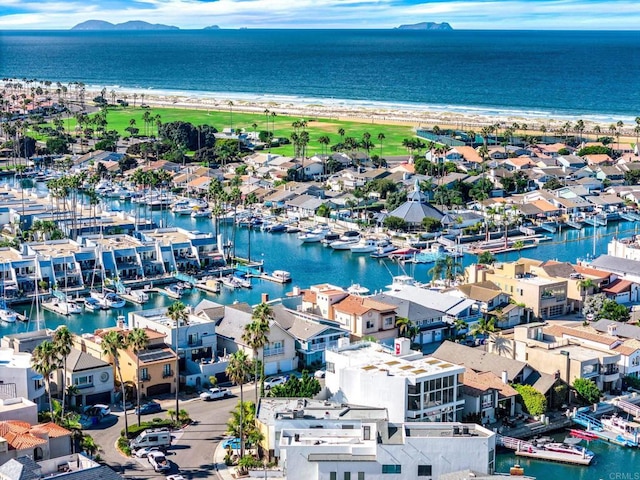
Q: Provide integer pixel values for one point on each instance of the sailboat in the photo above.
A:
(107, 298)
(6, 314)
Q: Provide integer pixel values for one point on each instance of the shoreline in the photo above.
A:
(374, 112)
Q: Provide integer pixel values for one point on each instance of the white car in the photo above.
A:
(215, 394)
(145, 451)
(175, 477)
(158, 461)
(98, 410)
(273, 381)
(320, 374)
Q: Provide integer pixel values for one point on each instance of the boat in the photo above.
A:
(368, 245)
(173, 291)
(93, 304)
(313, 236)
(329, 238)
(140, 296)
(628, 432)
(383, 252)
(346, 240)
(7, 315)
(566, 448)
(583, 434)
(401, 281)
(230, 282)
(182, 209)
(357, 289)
(282, 276)
(275, 227)
(201, 213)
(403, 254)
(61, 307)
(108, 299)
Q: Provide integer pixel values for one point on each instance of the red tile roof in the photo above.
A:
(618, 286)
(356, 305)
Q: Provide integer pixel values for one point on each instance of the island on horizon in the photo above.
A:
(425, 26)
(131, 26)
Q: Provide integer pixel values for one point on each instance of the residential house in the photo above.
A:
(410, 386)
(19, 379)
(40, 442)
(74, 466)
(630, 348)
(20, 409)
(92, 377)
(484, 393)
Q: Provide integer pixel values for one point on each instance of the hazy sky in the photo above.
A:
(469, 14)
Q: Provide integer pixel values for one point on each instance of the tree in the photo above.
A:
(237, 370)
(177, 312)
(256, 336)
(612, 310)
(403, 324)
(484, 326)
(587, 390)
(45, 362)
(112, 343)
(585, 285)
(552, 184)
(593, 304)
(395, 223)
(518, 246)
(486, 258)
(63, 342)
(533, 401)
(138, 341)
(304, 387)
(431, 224)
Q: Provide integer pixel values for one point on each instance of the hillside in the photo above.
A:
(425, 26)
(135, 25)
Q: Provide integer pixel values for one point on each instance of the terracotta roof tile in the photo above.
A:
(356, 305)
(54, 430)
(561, 331)
(618, 286)
(309, 296)
(486, 380)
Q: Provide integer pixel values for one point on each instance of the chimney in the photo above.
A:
(120, 322)
(296, 291)
(505, 377)
(612, 329)
(265, 298)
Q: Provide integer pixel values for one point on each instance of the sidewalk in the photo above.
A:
(223, 472)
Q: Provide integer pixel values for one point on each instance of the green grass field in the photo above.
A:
(119, 119)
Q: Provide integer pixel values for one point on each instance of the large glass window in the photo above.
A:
(424, 470)
(391, 468)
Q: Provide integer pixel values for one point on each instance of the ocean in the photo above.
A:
(542, 74)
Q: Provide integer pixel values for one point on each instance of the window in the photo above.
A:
(366, 432)
(333, 476)
(144, 374)
(84, 382)
(391, 468)
(369, 324)
(347, 475)
(331, 368)
(166, 370)
(388, 322)
(360, 475)
(424, 470)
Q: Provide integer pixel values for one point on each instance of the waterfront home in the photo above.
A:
(40, 442)
(410, 386)
(27, 341)
(545, 297)
(231, 320)
(84, 161)
(59, 262)
(627, 268)
(20, 409)
(313, 335)
(382, 450)
(19, 379)
(156, 375)
(430, 322)
(485, 395)
(305, 206)
(630, 348)
(64, 467)
(92, 377)
(275, 414)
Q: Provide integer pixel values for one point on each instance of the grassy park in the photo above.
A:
(119, 119)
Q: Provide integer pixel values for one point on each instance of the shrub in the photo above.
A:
(123, 446)
(533, 401)
(587, 390)
(135, 430)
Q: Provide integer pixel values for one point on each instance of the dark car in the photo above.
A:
(151, 407)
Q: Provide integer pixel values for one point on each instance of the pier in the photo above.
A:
(527, 449)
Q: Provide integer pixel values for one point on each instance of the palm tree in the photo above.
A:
(177, 312)
(237, 370)
(112, 343)
(45, 362)
(484, 326)
(381, 137)
(138, 341)
(230, 103)
(436, 271)
(63, 342)
(255, 336)
(263, 314)
(403, 324)
(518, 246)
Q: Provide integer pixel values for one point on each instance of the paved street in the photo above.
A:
(192, 451)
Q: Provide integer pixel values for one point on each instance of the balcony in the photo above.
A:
(145, 378)
(195, 342)
(315, 347)
(166, 374)
(271, 352)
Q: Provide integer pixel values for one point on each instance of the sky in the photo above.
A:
(194, 14)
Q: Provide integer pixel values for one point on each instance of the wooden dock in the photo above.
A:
(559, 457)
(210, 286)
(271, 278)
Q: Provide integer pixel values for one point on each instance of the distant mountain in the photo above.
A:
(212, 27)
(426, 26)
(132, 25)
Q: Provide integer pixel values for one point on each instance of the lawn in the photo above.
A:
(119, 119)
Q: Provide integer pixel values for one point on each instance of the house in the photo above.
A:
(74, 466)
(416, 208)
(313, 336)
(483, 394)
(20, 409)
(364, 316)
(19, 379)
(92, 377)
(410, 386)
(488, 295)
(279, 351)
(40, 442)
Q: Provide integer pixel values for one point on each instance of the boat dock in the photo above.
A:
(279, 276)
(55, 308)
(209, 286)
(137, 297)
(166, 292)
(595, 427)
(527, 449)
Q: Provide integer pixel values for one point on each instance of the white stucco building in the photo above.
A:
(19, 379)
(382, 450)
(410, 386)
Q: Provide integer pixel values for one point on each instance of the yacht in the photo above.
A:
(313, 236)
(230, 282)
(628, 432)
(383, 252)
(357, 289)
(174, 291)
(92, 304)
(62, 307)
(330, 238)
(184, 209)
(346, 240)
(109, 299)
(201, 213)
(368, 245)
(7, 315)
(567, 449)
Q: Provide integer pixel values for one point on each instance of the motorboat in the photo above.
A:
(383, 252)
(401, 281)
(357, 289)
(230, 282)
(346, 240)
(368, 245)
(566, 448)
(201, 213)
(7, 315)
(282, 276)
(62, 307)
(329, 238)
(273, 227)
(403, 254)
(184, 209)
(109, 299)
(174, 291)
(313, 236)
(628, 431)
(92, 304)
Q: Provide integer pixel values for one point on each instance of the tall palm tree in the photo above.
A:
(403, 324)
(263, 314)
(237, 370)
(112, 343)
(138, 341)
(45, 361)
(381, 137)
(484, 326)
(177, 312)
(63, 342)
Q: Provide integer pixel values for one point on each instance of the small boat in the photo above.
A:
(357, 289)
(561, 447)
(383, 252)
(329, 238)
(7, 315)
(182, 209)
(140, 296)
(583, 434)
(282, 276)
(313, 236)
(346, 240)
(201, 213)
(275, 227)
(628, 431)
(230, 282)
(174, 291)
(109, 299)
(92, 304)
(61, 307)
(366, 245)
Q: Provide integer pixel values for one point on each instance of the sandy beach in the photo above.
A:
(351, 111)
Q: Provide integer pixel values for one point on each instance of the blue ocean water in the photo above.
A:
(541, 73)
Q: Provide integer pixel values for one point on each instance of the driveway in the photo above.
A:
(193, 448)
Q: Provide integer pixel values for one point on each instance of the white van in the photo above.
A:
(158, 437)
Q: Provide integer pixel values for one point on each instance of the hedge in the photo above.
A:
(534, 402)
(135, 430)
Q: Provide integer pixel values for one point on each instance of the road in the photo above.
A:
(192, 452)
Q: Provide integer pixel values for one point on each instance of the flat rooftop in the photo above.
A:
(272, 409)
(576, 352)
(159, 316)
(373, 358)
(115, 242)
(8, 254)
(169, 237)
(58, 249)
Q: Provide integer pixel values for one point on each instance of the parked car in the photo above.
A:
(150, 407)
(158, 461)
(232, 443)
(177, 476)
(320, 374)
(273, 381)
(215, 394)
(145, 451)
(98, 410)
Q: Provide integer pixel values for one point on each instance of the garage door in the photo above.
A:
(270, 368)
(160, 389)
(104, 397)
(286, 365)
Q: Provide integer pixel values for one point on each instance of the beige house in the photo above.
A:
(545, 297)
(40, 442)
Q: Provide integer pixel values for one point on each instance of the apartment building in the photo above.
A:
(19, 379)
(411, 387)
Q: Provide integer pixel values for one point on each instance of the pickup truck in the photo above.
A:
(215, 394)
(158, 461)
